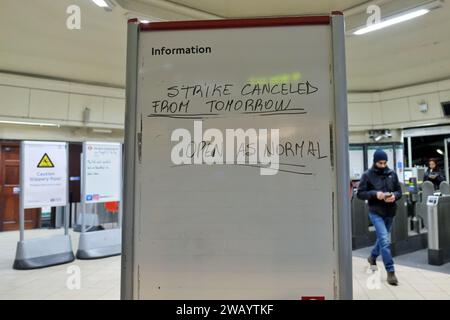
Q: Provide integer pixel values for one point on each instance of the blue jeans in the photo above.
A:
(382, 245)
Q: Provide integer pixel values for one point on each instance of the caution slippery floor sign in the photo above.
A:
(45, 162)
(45, 170)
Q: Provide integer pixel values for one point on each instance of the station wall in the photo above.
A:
(25, 98)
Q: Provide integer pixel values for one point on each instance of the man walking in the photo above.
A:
(380, 186)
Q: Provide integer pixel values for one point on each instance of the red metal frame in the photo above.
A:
(234, 23)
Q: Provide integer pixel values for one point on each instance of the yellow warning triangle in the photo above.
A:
(45, 162)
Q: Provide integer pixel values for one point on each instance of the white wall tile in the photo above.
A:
(14, 101)
(360, 113)
(78, 103)
(49, 104)
(114, 111)
(395, 111)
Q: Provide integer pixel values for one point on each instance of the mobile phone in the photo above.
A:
(387, 195)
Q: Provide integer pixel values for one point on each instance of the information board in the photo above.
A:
(44, 173)
(237, 161)
(102, 167)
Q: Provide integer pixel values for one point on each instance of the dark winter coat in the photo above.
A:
(374, 180)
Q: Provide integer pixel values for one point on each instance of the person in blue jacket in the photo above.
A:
(380, 186)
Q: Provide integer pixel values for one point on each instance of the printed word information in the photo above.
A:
(188, 50)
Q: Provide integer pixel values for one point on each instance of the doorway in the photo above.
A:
(9, 190)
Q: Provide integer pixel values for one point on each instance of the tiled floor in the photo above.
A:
(100, 278)
(417, 279)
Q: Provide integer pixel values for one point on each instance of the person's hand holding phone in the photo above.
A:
(380, 195)
(389, 197)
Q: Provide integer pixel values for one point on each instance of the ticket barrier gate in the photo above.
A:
(404, 239)
(438, 230)
(419, 219)
(408, 233)
(444, 188)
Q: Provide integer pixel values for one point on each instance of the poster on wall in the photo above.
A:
(44, 167)
(356, 156)
(102, 166)
(399, 161)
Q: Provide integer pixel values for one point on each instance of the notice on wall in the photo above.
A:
(399, 160)
(44, 169)
(102, 162)
(356, 156)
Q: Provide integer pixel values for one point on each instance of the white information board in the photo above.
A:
(356, 155)
(227, 230)
(102, 171)
(44, 173)
(399, 165)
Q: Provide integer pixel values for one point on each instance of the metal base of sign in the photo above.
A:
(43, 252)
(100, 244)
(79, 228)
(90, 221)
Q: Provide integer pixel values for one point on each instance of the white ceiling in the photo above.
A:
(412, 52)
(34, 38)
(247, 8)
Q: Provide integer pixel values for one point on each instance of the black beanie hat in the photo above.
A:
(379, 155)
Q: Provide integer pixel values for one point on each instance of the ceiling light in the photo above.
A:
(401, 17)
(108, 5)
(439, 151)
(392, 21)
(145, 21)
(100, 3)
(41, 124)
(98, 130)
